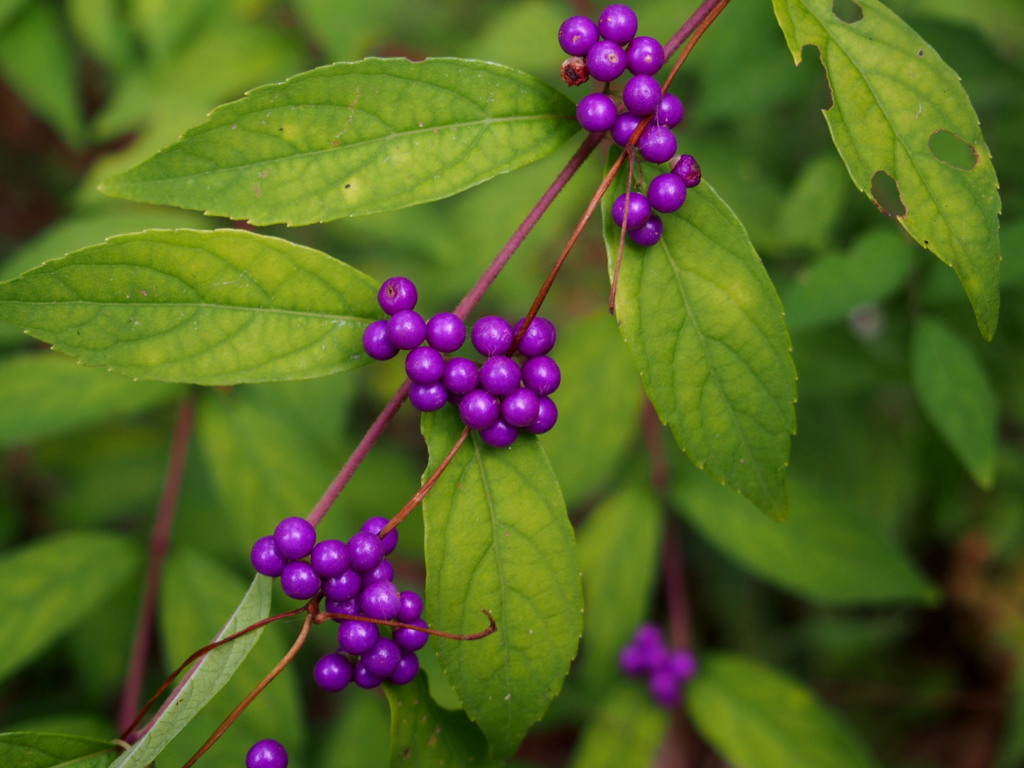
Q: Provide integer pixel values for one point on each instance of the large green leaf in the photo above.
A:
(497, 538)
(207, 307)
(893, 98)
(704, 325)
(956, 396)
(354, 138)
(625, 731)
(50, 750)
(47, 586)
(756, 717)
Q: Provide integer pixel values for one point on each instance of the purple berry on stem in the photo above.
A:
(499, 375)
(267, 753)
(520, 408)
(666, 193)
(406, 670)
(406, 329)
(644, 56)
(294, 538)
(410, 606)
(424, 365)
(625, 126)
(665, 688)
(344, 586)
(547, 415)
(649, 233)
(379, 600)
(356, 637)
(410, 639)
(499, 434)
(670, 111)
(428, 397)
(375, 525)
(576, 35)
(332, 672)
(382, 658)
(363, 677)
(460, 375)
(383, 572)
(596, 112)
(349, 607)
(329, 558)
(539, 338)
(688, 169)
(657, 143)
(491, 335)
(618, 23)
(606, 61)
(542, 375)
(479, 409)
(365, 551)
(446, 332)
(265, 558)
(299, 581)
(376, 342)
(638, 213)
(641, 95)
(397, 293)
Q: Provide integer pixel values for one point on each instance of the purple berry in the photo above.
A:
(406, 329)
(499, 375)
(618, 23)
(547, 415)
(520, 408)
(657, 143)
(499, 434)
(265, 558)
(665, 688)
(329, 558)
(479, 409)
(639, 210)
(670, 111)
(267, 753)
(376, 342)
(644, 56)
(641, 95)
(666, 193)
(625, 125)
(381, 660)
(332, 672)
(383, 572)
(596, 112)
(356, 637)
(363, 677)
(406, 670)
(349, 607)
(446, 332)
(410, 606)
(396, 294)
(576, 35)
(365, 551)
(428, 397)
(375, 525)
(539, 338)
(682, 663)
(424, 365)
(606, 60)
(492, 335)
(542, 375)
(688, 169)
(294, 538)
(649, 233)
(299, 580)
(410, 639)
(460, 375)
(379, 600)
(344, 586)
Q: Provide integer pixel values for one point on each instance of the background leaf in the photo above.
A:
(497, 537)
(355, 138)
(625, 731)
(892, 95)
(206, 307)
(705, 328)
(50, 750)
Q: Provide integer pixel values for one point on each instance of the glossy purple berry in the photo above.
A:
(576, 35)
(638, 213)
(406, 329)
(542, 375)
(356, 637)
(499, 434)
(625, 126)
(666, 193)
(539, 338)
(499, 375)
(410, 639)
(294, 538)
(265, 558)
(332, 672)
(424, 365)
(547, 415)
(460, 375)
(670, 111)
(688, 169)
(376, 342)
(446, 332)
(267, 753)
(396, 294)
(479, 409)
(641, 95)
(382, 658)
(657, 143)
(329, 558)
(410, 606)
(349, 607)
(492, 335)
(617, 22)
(406, 670)
(520, 408)
(596, 112)
(428, 397)
(375, 525)
(363, 677)
(383, 572)
(649, 233)
(344, 586)
(379, 600)
(299, 580)
(365, 551)
(644, 56)
(606, 60)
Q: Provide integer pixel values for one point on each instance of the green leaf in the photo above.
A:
(825, 551)
(350, 139)
(50, 750)
(756, 717)
(211, 673)
(424, 735)
(812, 208)
(893, 97)
(207, 307)
(63, 567)
(625, 731)
(357, 736)
(956, 396)
(705, 328)
(497, 538)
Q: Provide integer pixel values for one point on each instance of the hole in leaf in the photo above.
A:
(847, 10)
(951, 149)
(886, 194)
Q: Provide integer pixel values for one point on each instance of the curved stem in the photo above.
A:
(323, 616)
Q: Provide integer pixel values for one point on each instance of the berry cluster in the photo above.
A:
(604, 51)
(355, 578)
(666, 669)
(508, 392)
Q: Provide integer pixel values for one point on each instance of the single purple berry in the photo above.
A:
(641, 95)
(688, 169)
(547, 415)
(363, 677)
(666, 193)
(617, 22)
(356, 637)
(406, 329)
(520, 408)
(596, 112)
(576, 35)
(657, 143)
(406, 670)
(376, 342)
(365, 551)
(634, 661)
(606, 60)
(332, 672)
(446, 332)
(299, 581)
(649, 637)
(381, 660)
(539, 338)
(396, 294)
(644, 56)
(639, 210)
(682, 663)
(424, 365)
(265, 558)
(542, 375)
(294, 538)
(267, 753)
(665, 688)
(499, 375)
(375, 525)
(499, 434)
(460, 375)
(479, 409)
(410, 606)
(625, 125)
(649, 233)
(410, 639)
(491, 335)
(670, 111)
(428, 397)
(329, 558)
(379, 600)
(344, 586)
(349, 607)
(383, 572)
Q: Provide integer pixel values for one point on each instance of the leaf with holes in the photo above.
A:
(897, 108)
(704, 325)
(205, 307)
(350, 139)
(51, 750)
(497, 538)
